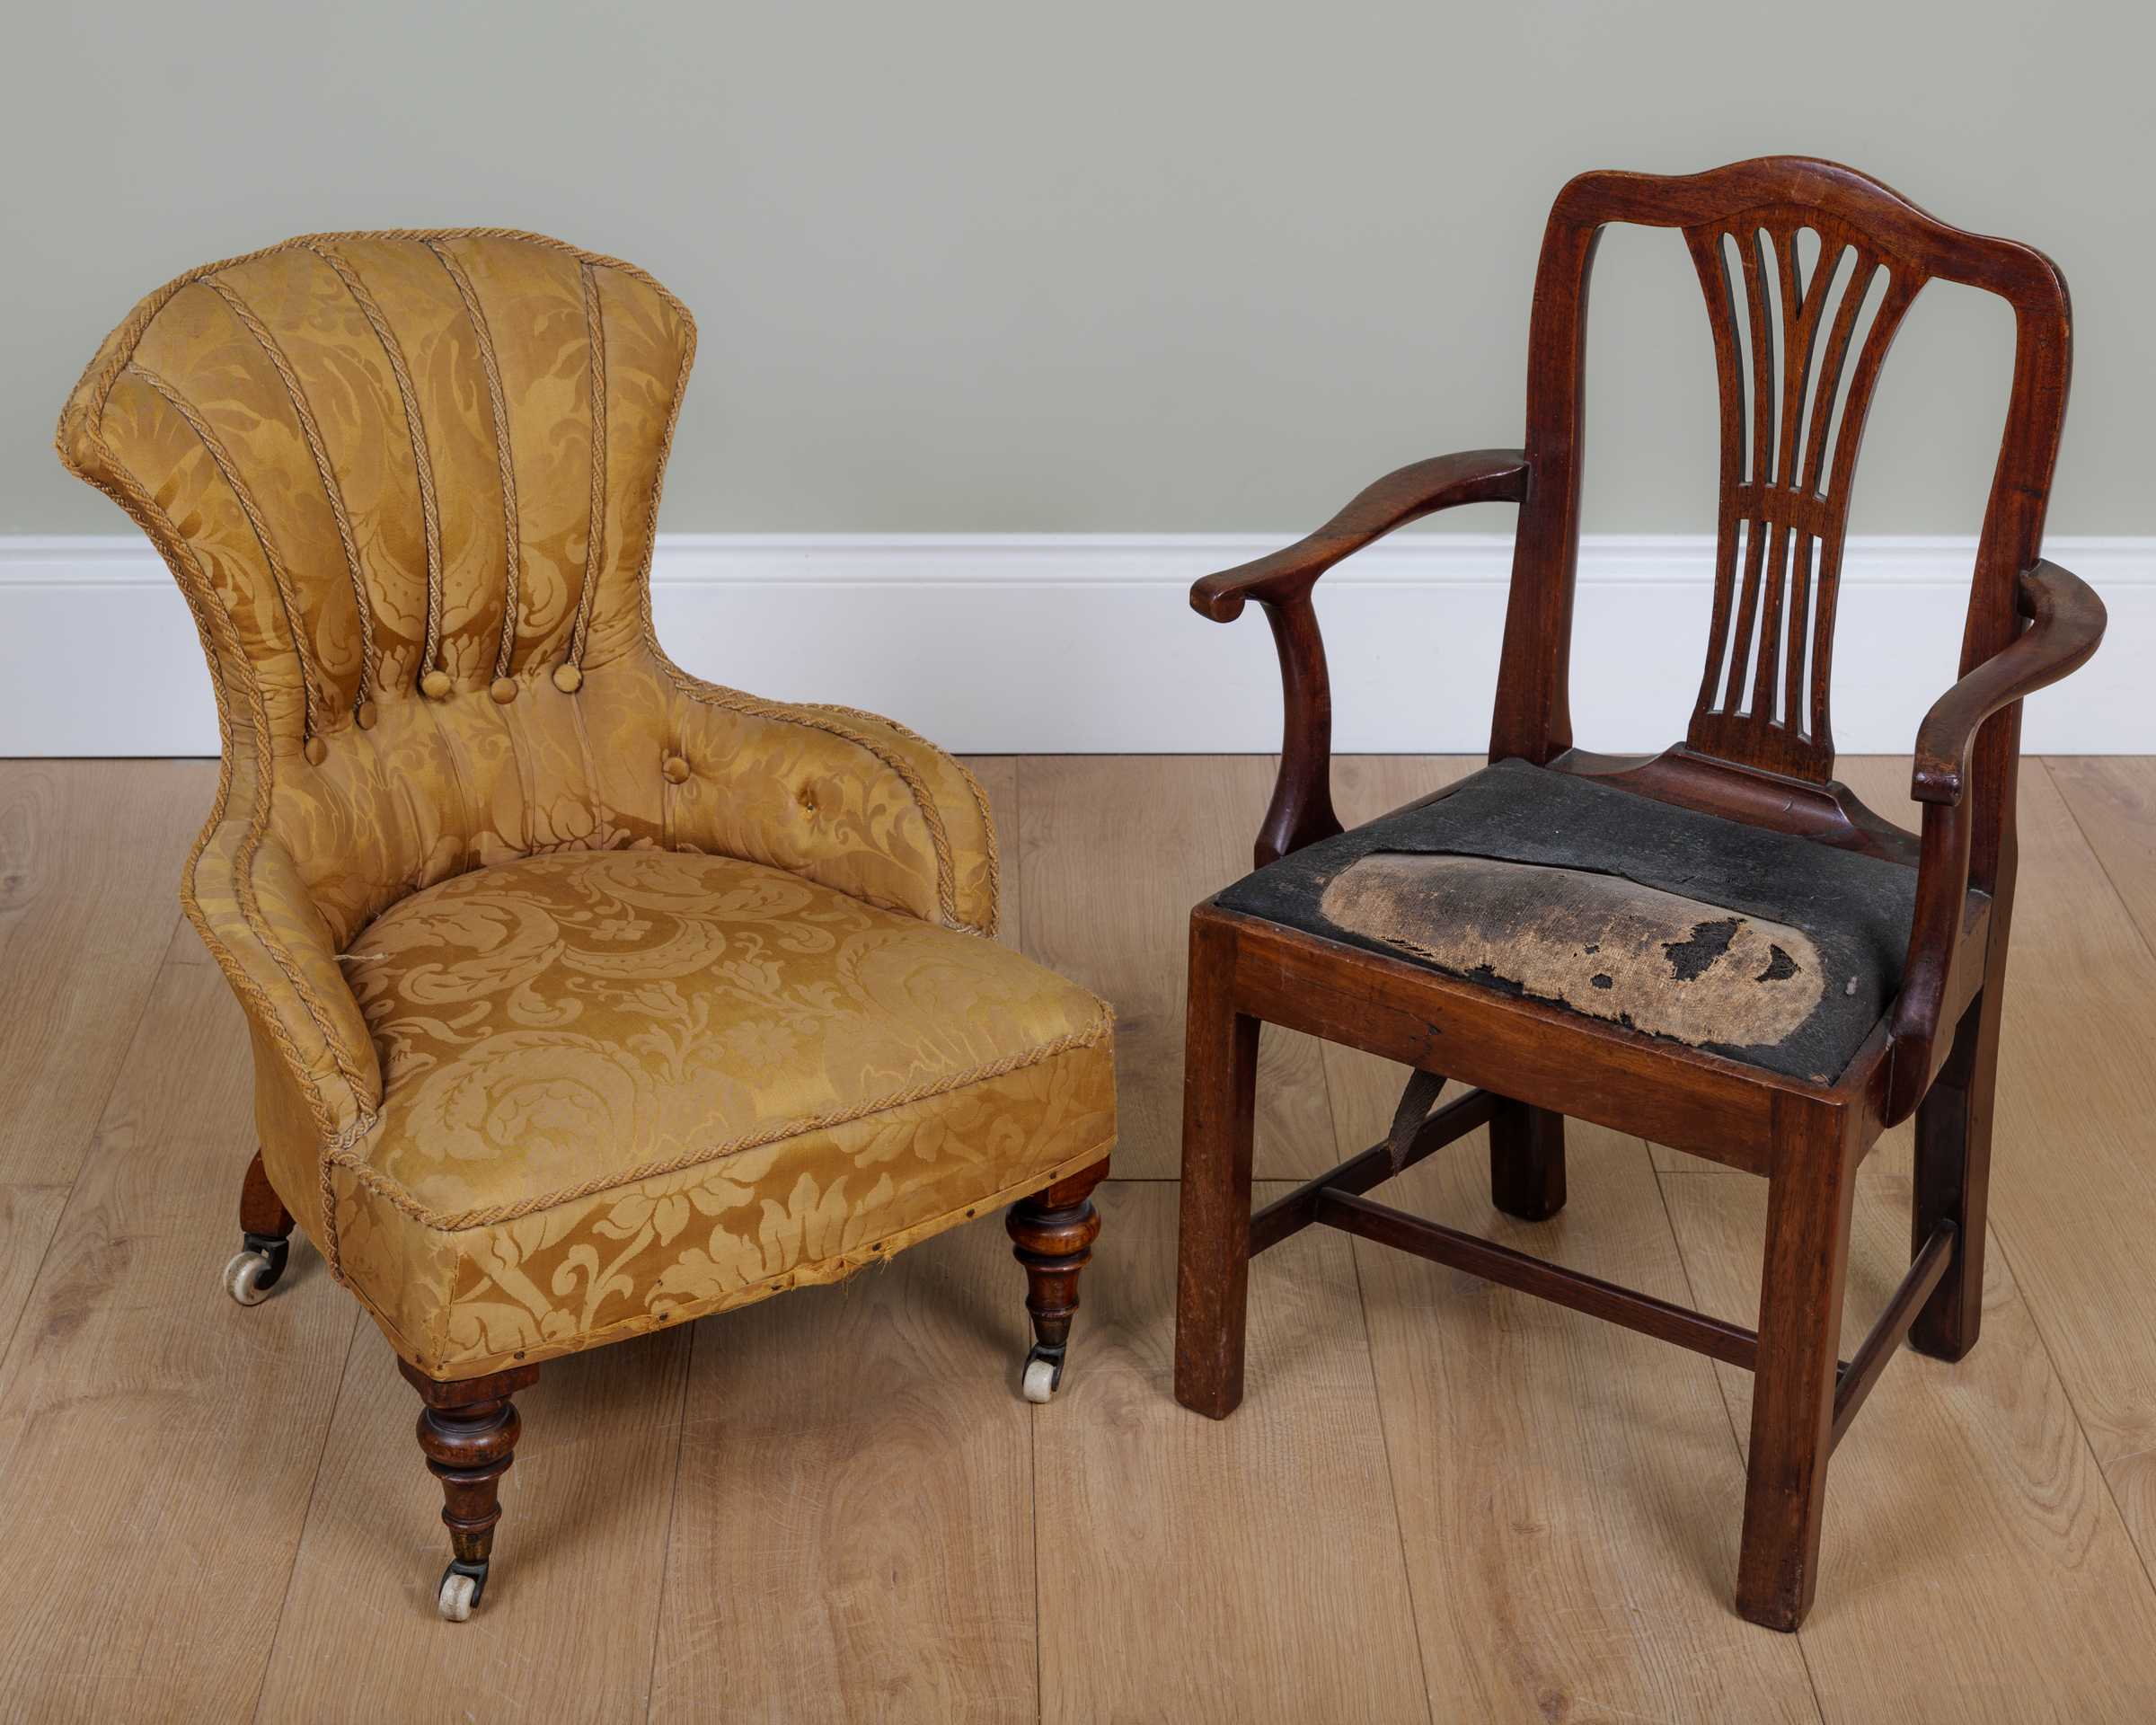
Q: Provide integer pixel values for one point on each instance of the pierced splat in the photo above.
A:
(1804, 310)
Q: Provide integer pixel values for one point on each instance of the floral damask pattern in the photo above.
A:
(408, 483)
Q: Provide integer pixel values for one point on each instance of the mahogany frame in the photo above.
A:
(1759, 751)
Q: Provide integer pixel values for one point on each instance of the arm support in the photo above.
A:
(1302, 808)
(1945, 962)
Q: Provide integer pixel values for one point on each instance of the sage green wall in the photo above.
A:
(1132, 265)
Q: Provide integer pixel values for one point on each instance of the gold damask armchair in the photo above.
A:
(585, 997)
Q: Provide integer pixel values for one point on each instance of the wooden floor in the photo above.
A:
(1441, 1501)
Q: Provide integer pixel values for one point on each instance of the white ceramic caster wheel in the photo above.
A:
(455, 1601)
(1040, 1380)
(244, 1278)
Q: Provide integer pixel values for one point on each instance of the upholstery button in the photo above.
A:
(504, 690)
(675, 769)
(435, 685)
(365, 715)
(318, 751)
(568, 679)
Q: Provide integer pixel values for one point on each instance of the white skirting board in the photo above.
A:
(1082, 644)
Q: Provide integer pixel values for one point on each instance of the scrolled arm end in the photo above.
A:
(1442, 483)
(2067, 623)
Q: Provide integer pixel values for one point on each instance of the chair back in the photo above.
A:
(1808, 269)
(408, 482)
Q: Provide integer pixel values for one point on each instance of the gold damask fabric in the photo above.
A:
(408, 483)
(621, 1087)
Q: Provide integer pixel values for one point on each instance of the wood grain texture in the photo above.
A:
(1568, 1490)
(1240, 1570)
(1973, 1566)
(1115, 850)
(571, 1607)
(157, 1442)
(90, 857)
(2112, 799)
(853, 1530)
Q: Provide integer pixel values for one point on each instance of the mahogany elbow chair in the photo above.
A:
(1719, 948)
(585, 997)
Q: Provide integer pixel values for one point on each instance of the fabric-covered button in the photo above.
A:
(568, 679)
(318, 751)
(435, 685)
(365, 715)
(675, 769)
(504, 690)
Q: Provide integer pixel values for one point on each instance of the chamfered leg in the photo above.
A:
(1053, 1232)
(1220, 1087)
(1953, 1169)
(265, 1238)
(1809, 1197)
(1527, 1160)
(468, 1431)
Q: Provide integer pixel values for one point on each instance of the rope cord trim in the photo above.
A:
(594, 542)
(409, 396)
(349, 1158)
(512, 521)
(309, 696)
(369, 662)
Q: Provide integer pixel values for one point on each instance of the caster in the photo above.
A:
(1044, 1372)
(462, 1584)
(250, 1276)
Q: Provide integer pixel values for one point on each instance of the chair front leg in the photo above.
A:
(1053, 1232)
(469, 1430)
(1953, 1169)
(1213, 1261)
(1809, 1198)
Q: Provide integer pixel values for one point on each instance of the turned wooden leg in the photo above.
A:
(265, 1238)
(1809, 1196)
(468, 1431)
(1053, 1233)
(1527, 1160)
(1213, 1261)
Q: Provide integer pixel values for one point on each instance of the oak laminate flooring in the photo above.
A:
(157, 1442)
(854, 1526)
(90, 860)
(1973, 1565)
(1570, 1500)
(566, 1627)
(1241, 1570)
(2113, 800)
(1115, 849)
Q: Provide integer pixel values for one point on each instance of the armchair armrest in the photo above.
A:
(846, 799)
(2068, 625)
(1945, 962)
(1302, 808)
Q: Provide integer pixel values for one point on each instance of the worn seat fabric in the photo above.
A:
(622, 1088)
(1758, 946)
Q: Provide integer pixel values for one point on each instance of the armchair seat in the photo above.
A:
(1757, 946)
(622, 1089)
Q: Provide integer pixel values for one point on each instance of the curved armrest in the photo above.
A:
(1476, 476)
(2069, 623)
(848, 799)
(1302, 808)
(1948, 933)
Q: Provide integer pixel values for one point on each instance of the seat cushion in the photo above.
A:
(621, 1088)
(1758, 946)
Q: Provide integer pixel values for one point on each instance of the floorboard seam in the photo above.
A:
(2080, 832)
(665, 1549)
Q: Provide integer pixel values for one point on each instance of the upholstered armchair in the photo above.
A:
(585, 997)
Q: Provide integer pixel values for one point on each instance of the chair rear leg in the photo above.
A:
(1053, 1232)
(1952, 1178)
(1213, 1258)
(1808, 1203)
(265, 1236)
(468, 1431)
(1527, 1160)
